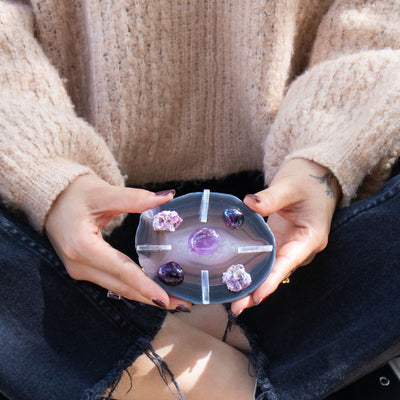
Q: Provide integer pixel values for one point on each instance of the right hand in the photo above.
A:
(73, 227)
(299, 203)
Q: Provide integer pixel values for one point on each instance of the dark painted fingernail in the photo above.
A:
(182, 308)
(165, 192)
(254, 197)
(159, 303)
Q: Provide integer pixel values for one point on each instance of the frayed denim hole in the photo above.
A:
(258, 364)
(164, 371)
(111, 381)
(115, 385)
(166, 374)
(230, 322)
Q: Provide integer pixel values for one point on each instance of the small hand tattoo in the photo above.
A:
(328, 179)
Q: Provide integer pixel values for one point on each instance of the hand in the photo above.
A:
(300, 203)
(73, 227)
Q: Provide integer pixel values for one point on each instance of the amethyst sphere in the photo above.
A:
(171, 274)
(204, 241)
(233, 218)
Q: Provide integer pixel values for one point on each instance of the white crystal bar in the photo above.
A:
(205, 287)
(205, 201)
(255, 249)
(153, 247)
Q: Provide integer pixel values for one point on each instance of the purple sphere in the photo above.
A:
(171, 274)
(233, 218)
(204, 241)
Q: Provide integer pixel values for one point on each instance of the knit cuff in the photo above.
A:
(38, 191)
(354, 181)
(42, 152)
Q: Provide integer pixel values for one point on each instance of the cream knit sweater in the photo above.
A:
(158, 90)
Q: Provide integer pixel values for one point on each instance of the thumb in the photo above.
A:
(118, 200)
(273, 199)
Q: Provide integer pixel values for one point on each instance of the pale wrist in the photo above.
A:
(316, 172)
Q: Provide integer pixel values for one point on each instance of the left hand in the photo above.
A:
(74, 229)
(300, 203)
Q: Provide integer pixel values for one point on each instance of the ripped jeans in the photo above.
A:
(336, 320)
(61, 339)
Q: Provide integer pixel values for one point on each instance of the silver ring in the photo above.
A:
(113, 295)
(384, 381)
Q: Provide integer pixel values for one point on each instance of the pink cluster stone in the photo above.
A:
(166, 221)
(236, 278)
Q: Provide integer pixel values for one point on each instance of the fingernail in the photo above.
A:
(165, 192)
(236, 315)
(159, 303)
(254, 197)
(262, 300)
(182, 308)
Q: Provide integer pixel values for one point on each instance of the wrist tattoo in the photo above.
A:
(327, 178)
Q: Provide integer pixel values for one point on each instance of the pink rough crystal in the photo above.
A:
(166, 221)
(236, 278)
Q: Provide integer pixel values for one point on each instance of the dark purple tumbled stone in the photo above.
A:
(233, 218)
(171, 274)
(204, 241)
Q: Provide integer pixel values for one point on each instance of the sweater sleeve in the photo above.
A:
(344, 111)
(43, 144)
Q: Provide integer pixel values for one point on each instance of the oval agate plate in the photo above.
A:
(205, 247)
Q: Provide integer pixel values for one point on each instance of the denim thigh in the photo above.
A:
(338, 318)
(59, 338)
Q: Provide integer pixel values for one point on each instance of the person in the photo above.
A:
(112, 108)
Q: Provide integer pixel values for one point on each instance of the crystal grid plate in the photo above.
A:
(204, 245)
